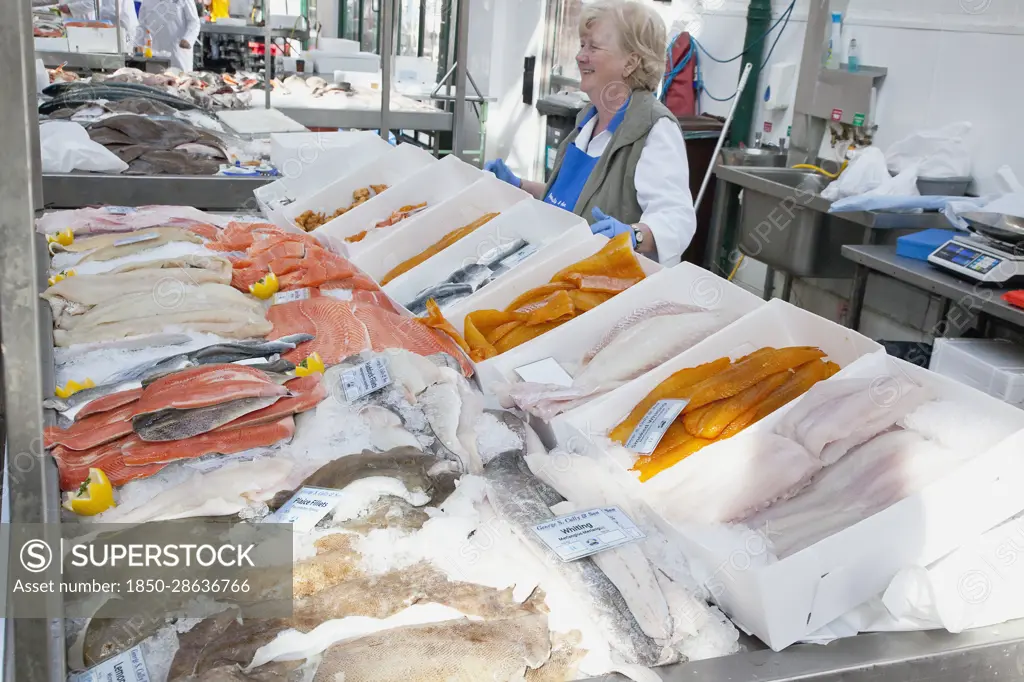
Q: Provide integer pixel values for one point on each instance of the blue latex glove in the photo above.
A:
(610, 227)
(503, 172)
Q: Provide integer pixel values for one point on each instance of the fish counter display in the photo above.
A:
(205, 370)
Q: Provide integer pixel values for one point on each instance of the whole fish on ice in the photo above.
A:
(523, 501)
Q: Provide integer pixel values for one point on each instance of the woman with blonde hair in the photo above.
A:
(624, 166)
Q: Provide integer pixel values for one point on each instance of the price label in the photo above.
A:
(546, 371)
(137, 239)
(308, 507)
(120, 210)
(289, 296)
(582, 534)
(127, 666)
(365, 379)
(651, 429)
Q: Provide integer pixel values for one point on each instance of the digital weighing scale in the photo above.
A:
(993, 255)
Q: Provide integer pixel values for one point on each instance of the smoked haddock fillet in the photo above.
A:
(344, 328)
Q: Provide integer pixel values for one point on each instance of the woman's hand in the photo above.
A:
(503, 172)
(611, 227)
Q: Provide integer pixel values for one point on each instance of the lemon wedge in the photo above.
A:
(95, 495)
(73, 387)
(265, 288)
(62, 275)
(64, 238)
(313, 364)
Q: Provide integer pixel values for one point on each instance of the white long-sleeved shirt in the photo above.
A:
(662, 183)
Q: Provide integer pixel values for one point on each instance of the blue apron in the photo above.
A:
(577, 166)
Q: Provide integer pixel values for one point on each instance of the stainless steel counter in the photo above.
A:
(995, 653)
(368, 119)
(211, 193)
(252, 30)
(970, 297)
(82, 60)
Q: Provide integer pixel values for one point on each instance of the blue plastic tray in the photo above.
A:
(921, 244)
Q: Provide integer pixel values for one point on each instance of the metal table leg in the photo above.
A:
(787, 287)
(769, 284)
(860, 283)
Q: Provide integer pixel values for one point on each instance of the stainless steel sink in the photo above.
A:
(784, 222)
(764, 158)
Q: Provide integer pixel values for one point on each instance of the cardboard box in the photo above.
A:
(389, 168)
(784, 601)
(308, 162)
(413, 235)
(546, 226)
(434, 184)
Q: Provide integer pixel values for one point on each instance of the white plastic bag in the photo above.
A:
(42, 76)
(865, 173)
(939, 153)
(65, 146)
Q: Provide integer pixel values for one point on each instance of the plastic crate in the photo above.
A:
(993, 366)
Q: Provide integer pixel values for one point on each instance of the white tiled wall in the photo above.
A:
(947, 60)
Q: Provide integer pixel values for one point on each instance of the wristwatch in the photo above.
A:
(638, 236)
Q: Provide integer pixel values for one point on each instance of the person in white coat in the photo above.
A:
(174, 26)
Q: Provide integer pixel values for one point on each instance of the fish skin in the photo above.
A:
(284, 671)
(173, 424)
(382, 596)
(519, 498)
(86, 395)
(151, 370)
(407, 464)
(243, 350)
(497, 650)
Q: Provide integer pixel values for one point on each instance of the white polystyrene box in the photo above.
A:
(433, 184)
(309, 162)
(685, 283)
(415, 234)
(543, 225)
(93, 40)
(56, 44)
(534, 272)
(784, 601)
(390, 168)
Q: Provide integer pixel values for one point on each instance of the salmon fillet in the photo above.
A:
(87, 433)
(345, 328)
(109, 402)
(204, 386)
(139, 454)
(307, 394)
(73, 466)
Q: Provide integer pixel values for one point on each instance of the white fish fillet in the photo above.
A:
(872, 477)
(641, 346)
(179, 299)
(141, 259)
(631, 573)
(166, 275)
(850, 414)
(116, 219)
(213, 308)
(726, 481)
(227, 490)
(292, 645)
(639, 315)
